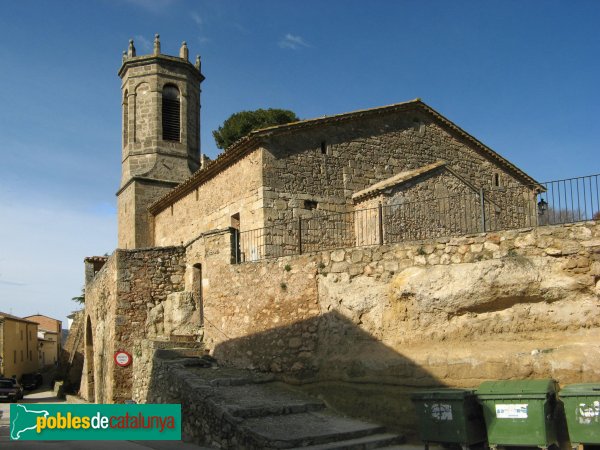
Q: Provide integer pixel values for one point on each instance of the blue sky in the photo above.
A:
(521, 76)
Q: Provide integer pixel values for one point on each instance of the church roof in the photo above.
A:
(250, 142)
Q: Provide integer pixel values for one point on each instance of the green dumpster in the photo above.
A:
(582, 409)
(519, 412)
(449, 416)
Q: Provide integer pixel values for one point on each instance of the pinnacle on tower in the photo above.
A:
(131, 49)
(197, 65)
(156, 44)
(183, 51)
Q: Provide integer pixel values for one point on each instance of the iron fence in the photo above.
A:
(492, 209)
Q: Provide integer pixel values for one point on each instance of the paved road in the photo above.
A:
(47, 396)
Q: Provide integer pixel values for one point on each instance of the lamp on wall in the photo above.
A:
(542, 207)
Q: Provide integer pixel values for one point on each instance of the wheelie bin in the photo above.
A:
(520, 413)
(449, 416)
(582, 410)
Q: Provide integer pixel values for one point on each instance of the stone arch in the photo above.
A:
(125, 106)
(89, 361)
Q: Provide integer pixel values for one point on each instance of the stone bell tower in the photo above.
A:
(161, 135)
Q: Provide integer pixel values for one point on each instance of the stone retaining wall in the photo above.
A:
(454, 311)
(125, 303)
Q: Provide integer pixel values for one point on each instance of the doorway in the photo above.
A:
(89, 361)
(197, 290)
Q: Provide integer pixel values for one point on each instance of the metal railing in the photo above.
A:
(495, 209)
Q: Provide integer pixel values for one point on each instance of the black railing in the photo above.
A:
(495, 209)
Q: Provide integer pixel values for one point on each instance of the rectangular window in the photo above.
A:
(310, 204)
(236, 249)
(235, 221)
(323, 147)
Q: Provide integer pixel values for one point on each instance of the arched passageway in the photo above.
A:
(89, 361)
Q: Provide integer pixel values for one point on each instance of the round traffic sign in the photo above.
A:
(122, 358)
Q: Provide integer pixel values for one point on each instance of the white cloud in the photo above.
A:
(196, 18)
(153, 6)
(292, 42)
(142, 43)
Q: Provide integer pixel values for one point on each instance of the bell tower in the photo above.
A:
(161, 135)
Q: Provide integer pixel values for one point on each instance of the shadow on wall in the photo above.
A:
(333, 358)
(70, 369)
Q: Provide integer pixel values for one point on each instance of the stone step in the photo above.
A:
(258, 400)
(179, 352)
(231, 377)
(379, 441)
(304, 429)
(412, 447)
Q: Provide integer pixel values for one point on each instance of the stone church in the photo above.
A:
(206, 248)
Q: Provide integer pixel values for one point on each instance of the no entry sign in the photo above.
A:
(122, 358)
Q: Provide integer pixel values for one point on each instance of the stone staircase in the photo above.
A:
(248, 410)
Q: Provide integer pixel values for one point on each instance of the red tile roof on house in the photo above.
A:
(4, 315)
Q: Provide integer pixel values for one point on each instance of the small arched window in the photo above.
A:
(171, 117)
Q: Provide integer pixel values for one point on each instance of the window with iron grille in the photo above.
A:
(171, 116)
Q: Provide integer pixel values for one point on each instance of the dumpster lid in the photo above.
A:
(517, 387)
(580, 389)
(441, 393)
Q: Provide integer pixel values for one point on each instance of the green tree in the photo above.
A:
(241, 123)
(80, 298)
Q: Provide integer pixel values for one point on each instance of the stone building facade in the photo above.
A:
(174, 277)
(49, 339)
(18, 346)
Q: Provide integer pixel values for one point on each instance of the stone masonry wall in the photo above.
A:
(125, 302)
(71, 358)
(359, 154)
(144, 280)
(364, 326)
(440, 204)
(239, 189)
(100, 305)
(291, 177)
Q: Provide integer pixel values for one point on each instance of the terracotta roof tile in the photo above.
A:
(20, 319)
(95, 259)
